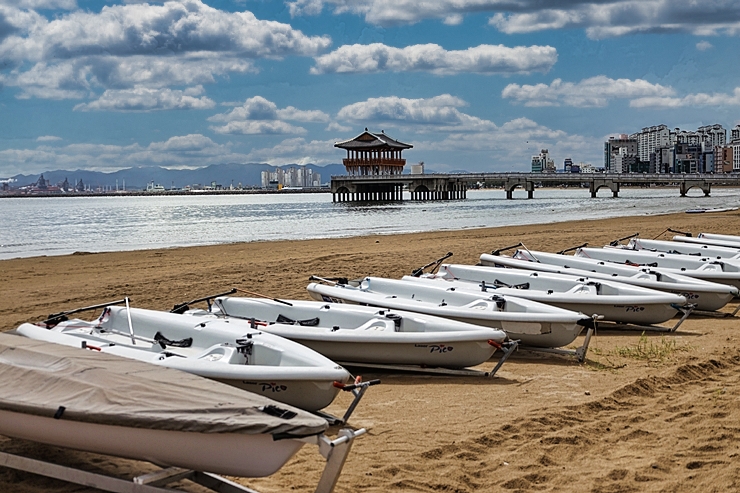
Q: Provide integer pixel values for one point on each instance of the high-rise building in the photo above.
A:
(620, 153)
(649, 139)
(713, 135)
(567, 165)
(735, 133)
(736, 156)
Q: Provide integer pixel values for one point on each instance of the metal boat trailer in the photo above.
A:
(334, 451)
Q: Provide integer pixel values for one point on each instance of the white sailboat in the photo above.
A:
(613, 301)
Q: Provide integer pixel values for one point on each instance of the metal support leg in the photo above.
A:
(218, 484)
(686, 310)
(335, 452)
(736, 310)
(72, 475)
(508, 348)
(581, 351)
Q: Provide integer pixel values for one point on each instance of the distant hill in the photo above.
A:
(248, 175)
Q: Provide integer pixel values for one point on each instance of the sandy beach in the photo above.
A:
(652, 413)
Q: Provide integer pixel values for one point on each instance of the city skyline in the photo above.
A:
(474, 85)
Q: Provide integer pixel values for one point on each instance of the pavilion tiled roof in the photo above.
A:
(370, 140)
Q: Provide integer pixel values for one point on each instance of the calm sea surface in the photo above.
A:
(57, 226)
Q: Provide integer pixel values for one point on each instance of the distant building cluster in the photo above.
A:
(659, 149)
(44, 186)
(543, 163)
(299, 177)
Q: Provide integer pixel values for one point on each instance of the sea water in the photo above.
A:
(62, 225)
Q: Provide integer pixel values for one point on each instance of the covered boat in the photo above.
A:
(614, 301)
(229, 351)
(724, 271)
(706, 295)
(98, 402)
(363, 334)
(534, 324)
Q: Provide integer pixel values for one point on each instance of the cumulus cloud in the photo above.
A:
(483, 59)
(258, 115)
(145, 99)
(438, 113)
(337, 127)
(592, 92)
(182, 42)
(600, 18)
(704, 45)
(622, 17)
(259, 127)
(690, 100)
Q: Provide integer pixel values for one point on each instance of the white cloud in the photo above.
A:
(336, 127)
(704, 45)
(48, 138)
(258, 127)
(690, 100)
(145, 99)
(622, 17)
(437, 113)
(600, 18)
(483, 59)
(187, 26)
(258, 115)
(255, 108)
(591, 92)
(294, 114)
(178, 43)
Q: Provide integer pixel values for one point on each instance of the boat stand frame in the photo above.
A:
(358, 390)
(508, 349)
(717, 314)
(334, 451)
(579, 353)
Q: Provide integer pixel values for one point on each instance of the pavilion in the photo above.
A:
(373, 154)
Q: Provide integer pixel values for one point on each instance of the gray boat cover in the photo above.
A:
(41, 378)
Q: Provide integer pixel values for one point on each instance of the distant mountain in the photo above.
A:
(137, 178)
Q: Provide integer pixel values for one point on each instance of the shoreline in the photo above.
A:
(660, 418)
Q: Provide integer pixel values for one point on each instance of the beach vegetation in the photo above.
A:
(646, 349)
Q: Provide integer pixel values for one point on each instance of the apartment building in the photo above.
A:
(543, 163)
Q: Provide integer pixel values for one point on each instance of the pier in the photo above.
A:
(383, 188)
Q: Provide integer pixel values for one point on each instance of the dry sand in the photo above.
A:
(657, 414)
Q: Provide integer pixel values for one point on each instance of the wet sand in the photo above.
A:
(653, 413)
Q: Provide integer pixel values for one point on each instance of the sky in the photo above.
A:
(476, 85)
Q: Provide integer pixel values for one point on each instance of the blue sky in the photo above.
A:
(479, 85)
